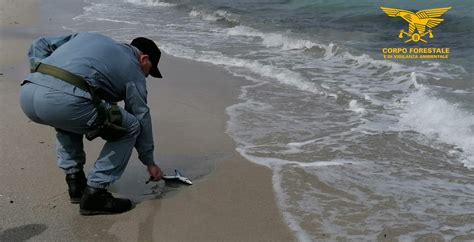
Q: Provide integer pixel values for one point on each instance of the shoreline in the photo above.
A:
(231, 200)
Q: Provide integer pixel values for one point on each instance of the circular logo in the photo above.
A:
(416, 37)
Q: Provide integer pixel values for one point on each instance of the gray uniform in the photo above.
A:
(103, 63)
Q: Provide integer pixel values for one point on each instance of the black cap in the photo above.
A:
(148, 47)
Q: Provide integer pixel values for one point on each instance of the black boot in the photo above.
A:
(100, 201)
(76, 183)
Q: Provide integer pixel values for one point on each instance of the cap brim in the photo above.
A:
(154, 72)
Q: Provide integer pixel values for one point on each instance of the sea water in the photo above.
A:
(361, 148)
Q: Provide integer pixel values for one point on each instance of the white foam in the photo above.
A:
(89, 11)
(116, 20)
(282, 201)
(437, 118)
(244, 31)
(461, 92)
(330, 51)
(355, 107)
(333, 95)
(282, 75)
(272, 162)
(299, 144)
(214, 16)
(327, 163)
(151, 3)
(274, 39)
(414, 81)
(101, 12)
(204, 16)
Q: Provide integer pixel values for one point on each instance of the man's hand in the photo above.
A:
(155, 172)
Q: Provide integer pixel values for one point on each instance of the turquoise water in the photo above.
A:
(357, 24)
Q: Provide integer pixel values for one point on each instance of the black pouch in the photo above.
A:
(110, 129)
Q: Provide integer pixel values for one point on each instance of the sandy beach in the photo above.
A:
(231, 199)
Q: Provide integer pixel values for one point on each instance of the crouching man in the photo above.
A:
(74, 85)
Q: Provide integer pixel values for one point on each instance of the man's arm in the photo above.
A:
(136, 104)
(44, 46)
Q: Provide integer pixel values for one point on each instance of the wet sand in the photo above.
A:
(231, 199)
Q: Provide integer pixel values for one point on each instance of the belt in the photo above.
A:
(61, 74)
(68, 77)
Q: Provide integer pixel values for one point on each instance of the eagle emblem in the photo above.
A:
(417, 21)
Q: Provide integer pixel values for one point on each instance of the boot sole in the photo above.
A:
(91, 212)
(98, 212)
(75, 200)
